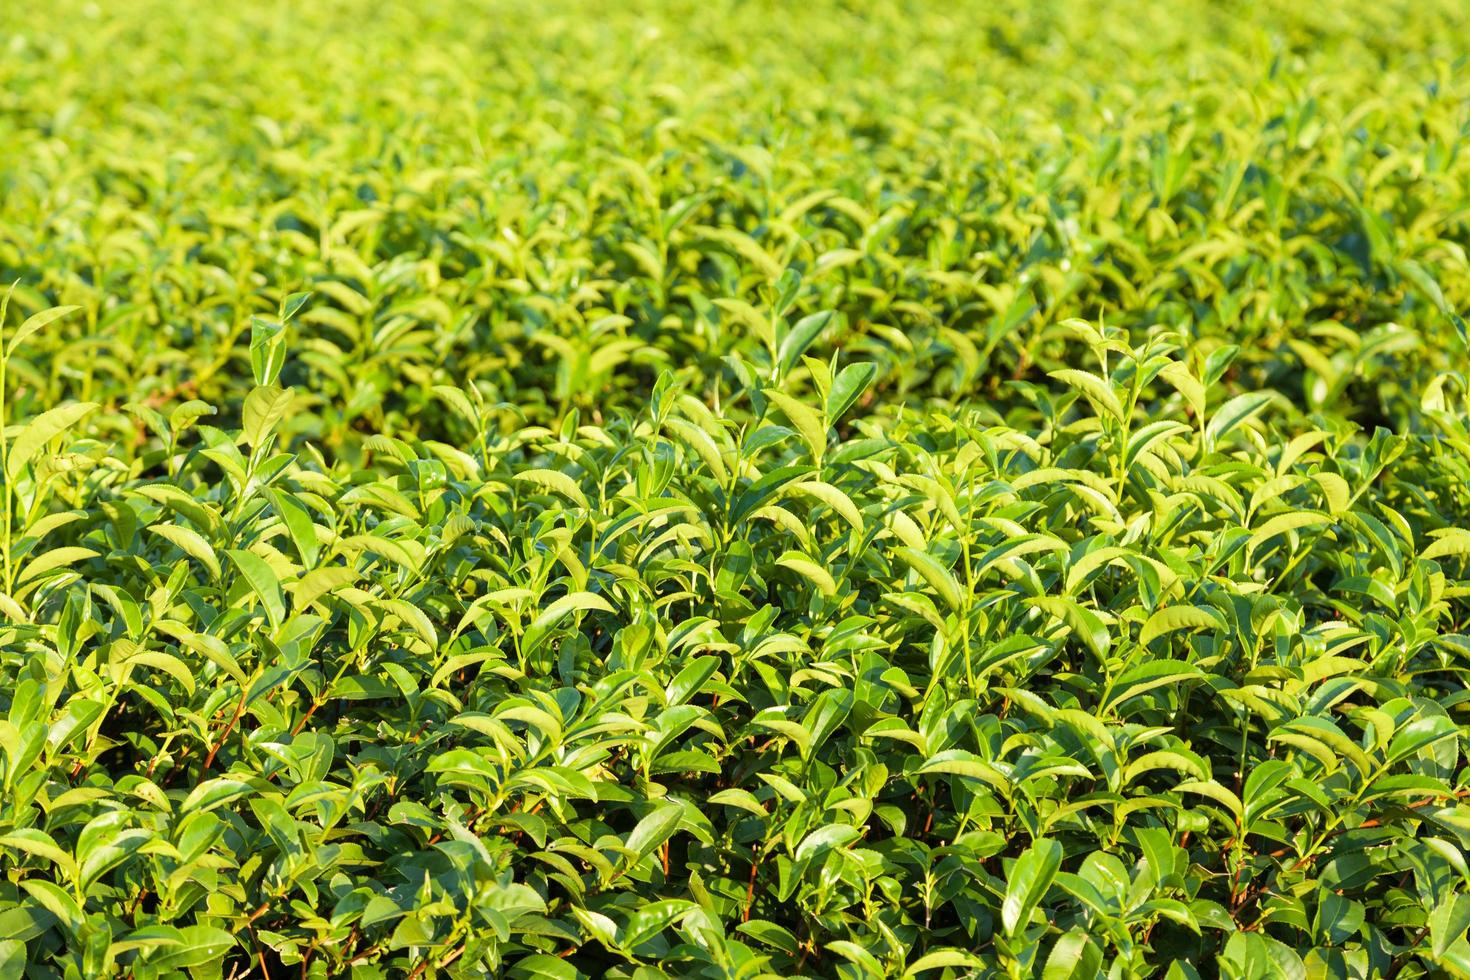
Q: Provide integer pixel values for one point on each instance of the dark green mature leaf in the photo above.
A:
(653, 830)
(1448, 922)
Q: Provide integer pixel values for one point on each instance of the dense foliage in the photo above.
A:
(724, 490)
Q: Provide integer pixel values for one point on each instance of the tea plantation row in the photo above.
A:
(725, 490)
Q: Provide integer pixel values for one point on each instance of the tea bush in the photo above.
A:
(734, 491)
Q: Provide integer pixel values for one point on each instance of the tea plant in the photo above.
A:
(724, 492)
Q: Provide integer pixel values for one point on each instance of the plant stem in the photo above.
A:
(4, 454)
(229, 727)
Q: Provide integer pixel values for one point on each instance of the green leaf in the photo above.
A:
(292, 305)
(651, 919)
(655, 828)
(415, 618)
(1172, 618)
(1147, 677)
(940, 959)
(58, 903)
(1452, 541)
(37, 842)
(834, 498)
(703, 445)
(847, 387)
(827, 712)
(1082, 623)
(1097, 390)
(199, 945)
(555, 481)
(571, 602)
(263, 410)
(1282, 524)
(1235, 413)
(191, 543)
(1074, 955)
(267, 350)
(184, 416)
(1027, 883)
(299, 526)
(35, 323)
(12, 959)
(809, 570)
(1213, 790)
(214, 793)
(931, 571)
(798, 339)
(169, 664)
(1419, 734)
(321, 582)
(808, 423)
(263, 581)
(958, 762)
(1448, 923)
(40, 431)
(52, 560)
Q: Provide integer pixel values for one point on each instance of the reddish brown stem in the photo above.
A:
(229, 727)
(424, 963)
(755, 862)
(296, 730)
(260, 955)
(1251, 894)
